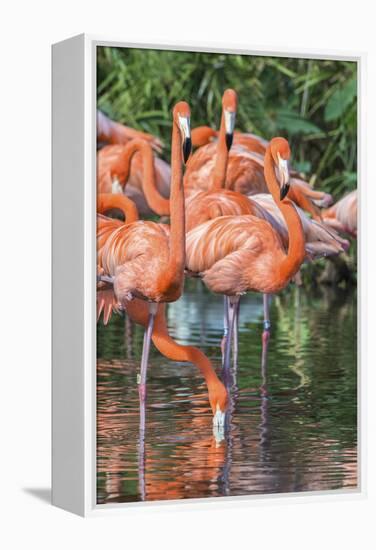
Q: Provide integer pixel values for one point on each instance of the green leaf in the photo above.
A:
(293, 123)
(340, 100)
(139, 87)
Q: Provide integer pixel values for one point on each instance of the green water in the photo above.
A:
(293, 417)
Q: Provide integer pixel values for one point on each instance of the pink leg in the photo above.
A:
(141, 468)
(144, 363)
(236, 335)
(265, 342)
(266, 302)
(142, 395)
(264, 398)
(225, 327)
(233, 303)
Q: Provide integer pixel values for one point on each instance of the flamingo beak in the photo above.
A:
(219, 425)
(185, 128)
(187, 148)
(219, 418)
(326, 201)
(230, 117)
(284, 177)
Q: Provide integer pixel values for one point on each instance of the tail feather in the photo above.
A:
(106, 304)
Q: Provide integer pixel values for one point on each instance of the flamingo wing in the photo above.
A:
(233, 253)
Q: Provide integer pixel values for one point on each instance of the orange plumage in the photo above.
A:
(236, 254)
(146, 260)
(134, 170)
(245, 171)
(111, 132)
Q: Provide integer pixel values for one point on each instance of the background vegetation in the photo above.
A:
(311, 102)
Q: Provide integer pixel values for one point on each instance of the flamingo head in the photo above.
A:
(326, 201)
(182, 117)
(218, 401)
(229, 106)
(281, 153)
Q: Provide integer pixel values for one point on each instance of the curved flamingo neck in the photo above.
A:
(296, 249)
(108, 201)
(171, 349)
(177, 208)
(157, 203)
(221, 161)
(138, 311)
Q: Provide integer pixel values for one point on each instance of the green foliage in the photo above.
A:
(340, 100)
(311, 102)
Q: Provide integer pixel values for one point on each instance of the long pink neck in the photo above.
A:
(296, 249)
(157, 203)
(139, 313)
(221, 161)
(177, 207)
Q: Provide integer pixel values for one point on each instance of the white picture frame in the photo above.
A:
(74, 276)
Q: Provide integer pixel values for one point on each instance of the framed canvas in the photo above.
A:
(207, 277)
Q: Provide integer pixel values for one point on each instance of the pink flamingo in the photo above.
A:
(146, 260)
(245, 172)
(111, 132)
(236, 254)
(217, 201)
(133, 169)
(343, 215)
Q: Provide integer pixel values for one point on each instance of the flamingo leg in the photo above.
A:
(144, 367)
(267, 324)
(266, 302)
(236, 335)
(141, 467)
(153, 307)
(264, 400)
(264, 363)
(225, 327)
(232, 306)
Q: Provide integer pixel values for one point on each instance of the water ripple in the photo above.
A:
(293, 421)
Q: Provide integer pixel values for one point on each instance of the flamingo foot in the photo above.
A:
(327, 200)
(105, 279)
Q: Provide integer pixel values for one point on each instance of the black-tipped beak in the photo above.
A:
(230, 117)
(229, 139)
(185, 129)
(284, 190)
(284, 177)
(187, 149)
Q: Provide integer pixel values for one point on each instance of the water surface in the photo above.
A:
(292, 425)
